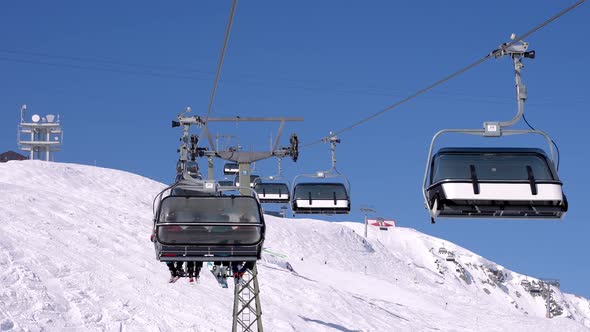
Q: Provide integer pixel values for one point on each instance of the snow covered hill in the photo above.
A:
(75, 255)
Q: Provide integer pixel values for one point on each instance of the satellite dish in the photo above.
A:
(35, 118)
(50, 117)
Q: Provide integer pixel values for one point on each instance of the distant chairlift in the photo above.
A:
(324, 196)
(194, 221)
(231, 168)
(450, 256)
(272, 190)
(269, 192)
(254, 179)
(225, 183)
(494, 182)
(525, 284)
(535, 288)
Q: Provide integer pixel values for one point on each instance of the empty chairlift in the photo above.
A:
(254, 179)
(494, 182)
(488, 182)
(231, 168)
(270, 192)
(197, 223)
(320, 198)
(226, 183)
(328, 193)
(450, 257)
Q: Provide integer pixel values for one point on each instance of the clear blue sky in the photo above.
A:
(119, 72)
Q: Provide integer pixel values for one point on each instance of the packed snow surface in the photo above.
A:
(75, 255)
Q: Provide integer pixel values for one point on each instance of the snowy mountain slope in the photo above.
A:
(75, 255)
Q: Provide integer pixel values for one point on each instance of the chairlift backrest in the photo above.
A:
(491, 164)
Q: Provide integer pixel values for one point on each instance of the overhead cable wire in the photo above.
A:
(221, 57)
(174, 72)
(453, 75)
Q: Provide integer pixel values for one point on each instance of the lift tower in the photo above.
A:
(247, 313)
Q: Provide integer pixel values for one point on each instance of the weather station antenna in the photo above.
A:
(40, 137)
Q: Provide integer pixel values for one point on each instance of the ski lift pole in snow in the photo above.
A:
(366, 211)
(546, 285)
(247, 313)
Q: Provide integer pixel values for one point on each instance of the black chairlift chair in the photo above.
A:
(272, 192)
(196, 223)
(254, 179)
(494, 183)
(324, 196)
(231, 168)
(320, 198)
(515, 183)
(226, 183)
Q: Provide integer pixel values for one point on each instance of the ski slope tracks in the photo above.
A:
(75, 255)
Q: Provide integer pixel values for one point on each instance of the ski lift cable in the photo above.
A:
(453, 75)
(221, 57)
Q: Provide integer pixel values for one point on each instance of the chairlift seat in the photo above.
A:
(269, 192)
(495, 183)
(231, 168)
(208, 228)
(320, 198)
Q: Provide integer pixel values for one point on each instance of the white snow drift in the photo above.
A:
(75, 255)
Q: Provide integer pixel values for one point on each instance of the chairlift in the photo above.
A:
(269, 192)
(225, 183)
(254, 179)
(442, 251)
(525, 284)
(323, 195)
(195, 221)
(494, 183)
(474, 182)
(271, 189)
(535, 289)
(450, 256)
(320, 198)
(231, 168)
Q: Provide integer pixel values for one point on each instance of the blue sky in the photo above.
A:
(119, 72)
